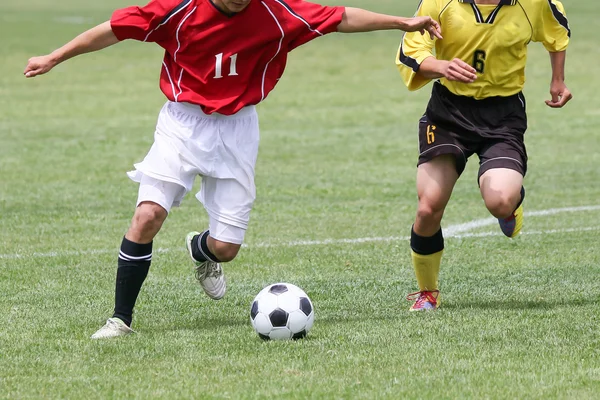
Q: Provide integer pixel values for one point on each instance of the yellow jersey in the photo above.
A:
(491, 38)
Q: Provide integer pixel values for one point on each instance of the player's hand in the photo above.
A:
(423, 24)
(460, 71)
(560, 94)
(39, 65)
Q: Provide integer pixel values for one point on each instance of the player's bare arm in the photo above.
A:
(455, 70)
(359, 20)
(558, 90)
(94, 39)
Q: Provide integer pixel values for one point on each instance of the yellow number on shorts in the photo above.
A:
(430, 134)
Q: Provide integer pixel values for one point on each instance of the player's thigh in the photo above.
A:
(228, 203)
(435, 181)
(228, 195)
(182, 149)
(228, 238)
(507, 152)
(165, 194)
(502, 166)
(500, 184)
(435, 141)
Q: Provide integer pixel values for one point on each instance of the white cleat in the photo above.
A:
(208, 273)
(114, 327)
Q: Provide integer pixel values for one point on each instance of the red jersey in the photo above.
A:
(223, 63)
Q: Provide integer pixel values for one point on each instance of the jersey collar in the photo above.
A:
(221, 11)
(501, 3)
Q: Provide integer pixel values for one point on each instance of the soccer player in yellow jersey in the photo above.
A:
(476, 107)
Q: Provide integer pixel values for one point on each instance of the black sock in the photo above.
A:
(200, 249)
(426, 245)
(133, 265)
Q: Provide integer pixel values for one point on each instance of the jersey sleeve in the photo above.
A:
(415, 48)
(314, 20)
(149, 23)
(552, 27)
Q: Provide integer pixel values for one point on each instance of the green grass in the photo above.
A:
(337, 161)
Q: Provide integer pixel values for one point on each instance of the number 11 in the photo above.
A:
(219, 65)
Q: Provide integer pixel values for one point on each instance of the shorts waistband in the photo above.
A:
(196, 110)
(466, 100)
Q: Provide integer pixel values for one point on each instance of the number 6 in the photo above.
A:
(479, 60)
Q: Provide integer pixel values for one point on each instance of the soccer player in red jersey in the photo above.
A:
(222, 57)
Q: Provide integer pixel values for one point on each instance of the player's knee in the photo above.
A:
(429, 212)
(148, 217)
(501, 206)
(225, 251)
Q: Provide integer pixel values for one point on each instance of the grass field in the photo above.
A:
(336, 200)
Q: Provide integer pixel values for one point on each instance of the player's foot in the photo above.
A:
(208, 273)
(424, 300)
(512, 225)
(114, 327)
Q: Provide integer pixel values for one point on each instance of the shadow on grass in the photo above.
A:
(540, 304)
(203, 324)
(386, 313)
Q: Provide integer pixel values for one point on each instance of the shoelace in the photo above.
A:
(422, 297)
(112, 324)
(207, 270)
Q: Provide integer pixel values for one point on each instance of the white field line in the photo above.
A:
(452, 231)
(528, 233)
(455, 230)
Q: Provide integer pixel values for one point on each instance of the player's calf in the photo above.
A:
(426, 254)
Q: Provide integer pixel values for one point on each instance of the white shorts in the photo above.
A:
(222, 149)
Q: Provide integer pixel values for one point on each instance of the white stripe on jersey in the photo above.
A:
(170, 79)
(167, 20)
(179, 84)
(298, 17)
(177, 33)
(493, 14)
(179, 47)
(278, 49)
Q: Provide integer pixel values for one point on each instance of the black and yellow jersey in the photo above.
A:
(491, 38)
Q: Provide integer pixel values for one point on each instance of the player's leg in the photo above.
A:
(228, 195)
(435, 181)
(228, 204)
(209, 250)
(503, 193)
(503, 160)
(503, 165)
(155, 199)
(442, 159)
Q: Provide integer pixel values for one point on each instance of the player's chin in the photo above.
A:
(237, 6)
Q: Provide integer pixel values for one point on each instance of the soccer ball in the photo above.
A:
(282, 311)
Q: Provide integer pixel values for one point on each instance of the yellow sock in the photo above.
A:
(427, 269)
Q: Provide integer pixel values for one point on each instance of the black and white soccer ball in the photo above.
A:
(282, 311)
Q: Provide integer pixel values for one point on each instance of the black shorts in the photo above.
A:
(492, 128)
